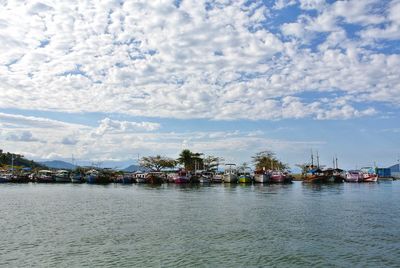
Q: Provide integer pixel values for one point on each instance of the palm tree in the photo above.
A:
(190, 160)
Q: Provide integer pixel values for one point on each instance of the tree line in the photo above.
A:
(191, 161)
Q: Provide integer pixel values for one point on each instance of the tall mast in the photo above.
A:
(317, 160)
(312, 159)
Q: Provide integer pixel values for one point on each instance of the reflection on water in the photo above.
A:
(200, 225)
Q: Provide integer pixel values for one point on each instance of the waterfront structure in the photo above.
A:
(395, 171)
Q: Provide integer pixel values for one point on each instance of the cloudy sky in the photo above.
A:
(108, 80)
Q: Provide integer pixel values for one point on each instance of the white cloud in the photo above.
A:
(151, 58)
(24, 136)
(121, 143)
(115, 126)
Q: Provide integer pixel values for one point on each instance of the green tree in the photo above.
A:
(157, 163)
(267, 160)
(211, 163)
(190, 160)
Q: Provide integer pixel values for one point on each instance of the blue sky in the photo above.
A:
(108, 80)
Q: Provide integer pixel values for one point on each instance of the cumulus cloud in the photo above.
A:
(24, 136)
(123, 140)
(115, 126)
(196, 59)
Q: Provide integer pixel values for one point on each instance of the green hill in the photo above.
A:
(19, 160)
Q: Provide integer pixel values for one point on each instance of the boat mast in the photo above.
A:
(312, 159)
(317, 160)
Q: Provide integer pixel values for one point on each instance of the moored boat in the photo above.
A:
(245, 176)
(217, 178)
(92, 176)
(140, 177)
(369, 174)
(206, 177)
(230, 173)
(314, 175)
(354, 176)
(127, 178)
(44, 176)
(4, 177)
(261, 176)
(62, 176)
(181, 177)
(155, 177)
(76, 177)
(277, 177)
(333, 175)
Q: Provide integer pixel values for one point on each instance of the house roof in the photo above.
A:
(395, 168)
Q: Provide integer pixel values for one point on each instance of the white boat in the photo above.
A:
(62, 176)
(369, 174)
(5, 177)
(217, 178)
(181, 177)
(44, 176)
(261, 176)
(92, 176)
(206, 177)
(140, 177)
(76, 178)
(354, 176)
(230, 173)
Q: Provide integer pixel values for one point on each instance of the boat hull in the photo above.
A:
(230, 178)
(261, 178)
(62, 179)
(370, 178)
(181, 180)
(278, 179)
(76, 180)
(244, 180)
(44, 179)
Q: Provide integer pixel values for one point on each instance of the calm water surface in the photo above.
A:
(207, 226)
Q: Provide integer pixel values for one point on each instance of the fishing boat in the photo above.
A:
(140, 177)
(44, 176)
(181, 177)
(4, 177)
(277, 176)
(333, 175)
(217, 178)
(314, 175)
(76, 177)
(92, 176)
(155, 177)
(354, 176)
(62, 176)
(261, 176)
(245, 176)
(230, 173)
(127, 178)
(369, 174)
(206, 177)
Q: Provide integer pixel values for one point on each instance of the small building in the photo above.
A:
(383, 172)
(395, 171)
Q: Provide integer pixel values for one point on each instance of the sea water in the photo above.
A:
(222, 225)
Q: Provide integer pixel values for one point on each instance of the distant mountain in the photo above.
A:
(58, 164)
(133, 168)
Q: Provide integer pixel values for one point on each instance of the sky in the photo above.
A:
(111, 81)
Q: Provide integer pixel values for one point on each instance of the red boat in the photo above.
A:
(181, 177)
(369, 175)
(277, 177)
